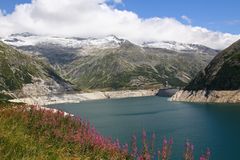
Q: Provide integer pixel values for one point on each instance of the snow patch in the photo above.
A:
(25, 39)
(175, 46)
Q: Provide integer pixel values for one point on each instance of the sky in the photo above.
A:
(214, 23)
(219, 15)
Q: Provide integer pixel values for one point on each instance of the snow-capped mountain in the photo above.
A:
(28, 39)
(179, 47)
(110, 62)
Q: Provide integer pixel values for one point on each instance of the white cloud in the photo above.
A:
(94, 18)
(187, 19)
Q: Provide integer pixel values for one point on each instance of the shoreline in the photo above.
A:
(213, 96)
(80, 97)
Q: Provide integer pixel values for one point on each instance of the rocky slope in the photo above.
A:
(219, 82)
(23, 75)
(112, 63)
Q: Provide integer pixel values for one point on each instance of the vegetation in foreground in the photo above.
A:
(31, 132)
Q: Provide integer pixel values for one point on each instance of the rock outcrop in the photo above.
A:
(211, 97)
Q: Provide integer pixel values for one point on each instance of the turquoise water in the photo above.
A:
(206, 125)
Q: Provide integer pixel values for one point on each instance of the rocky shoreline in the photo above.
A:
(202, 96)
(79, 97)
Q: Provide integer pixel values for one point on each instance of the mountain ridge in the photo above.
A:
(26, 39)
(223, 72)
(218, 82)
(112, 63)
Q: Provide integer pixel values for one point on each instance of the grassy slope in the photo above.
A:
(131, 67)
(4, 98)
(32, 135)
(223, 73)
(17, 69)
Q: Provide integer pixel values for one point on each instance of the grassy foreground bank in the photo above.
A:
(32, 132)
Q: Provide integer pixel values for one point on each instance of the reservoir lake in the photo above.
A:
(216, 126)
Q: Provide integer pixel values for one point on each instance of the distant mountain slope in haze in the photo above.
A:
(23, 75)
(112, 63)
(223, 73)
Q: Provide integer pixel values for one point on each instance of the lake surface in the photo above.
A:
(216, 126)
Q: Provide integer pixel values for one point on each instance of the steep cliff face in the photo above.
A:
(23, 75)
(219, 82)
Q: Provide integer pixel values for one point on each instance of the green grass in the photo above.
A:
(17, 69)
(146, 77)
(17, 143)
(4, 98)
(34, 135)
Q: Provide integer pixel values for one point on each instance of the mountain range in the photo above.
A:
(112, 63)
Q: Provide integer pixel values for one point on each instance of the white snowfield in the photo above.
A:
(175, 46)
(19, 40)
(28, 39)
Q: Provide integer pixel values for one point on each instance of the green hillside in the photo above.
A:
(132, 67)
(223, 73)
(18, 69)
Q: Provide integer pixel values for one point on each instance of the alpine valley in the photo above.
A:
(119, 80)
(103, 64)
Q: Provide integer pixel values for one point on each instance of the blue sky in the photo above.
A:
(8, 5)
(217, 15)
(221, 15)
